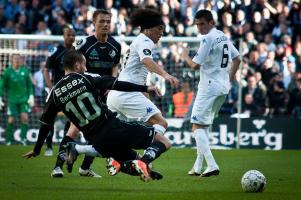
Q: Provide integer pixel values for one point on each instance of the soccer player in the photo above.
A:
(16, 82)
(54, 64)
(138, 63)
(102, 53)
(77, 95)
(214, 57)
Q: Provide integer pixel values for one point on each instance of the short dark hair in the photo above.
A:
(67, 27)
(71, 57)
(205, 14)
(100, 11)
(146, 18)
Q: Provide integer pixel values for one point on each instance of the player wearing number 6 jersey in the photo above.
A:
(214, 57)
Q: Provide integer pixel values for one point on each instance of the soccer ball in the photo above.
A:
(253, 181)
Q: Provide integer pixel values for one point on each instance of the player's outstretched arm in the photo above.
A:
(152, 66)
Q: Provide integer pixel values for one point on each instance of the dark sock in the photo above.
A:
(49, 138)
(88, 160)
(153, 152)
(61, 157)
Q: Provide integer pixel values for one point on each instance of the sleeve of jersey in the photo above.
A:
(49, 61)
(80, 44)
(47, 121)
(50, 111)
(234, 51)
(203, 51)
(144, 49)
(111, 83)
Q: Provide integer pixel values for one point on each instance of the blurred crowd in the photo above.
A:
(268, 34)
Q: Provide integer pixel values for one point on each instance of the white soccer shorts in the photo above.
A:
(206, 108)
(131, 106)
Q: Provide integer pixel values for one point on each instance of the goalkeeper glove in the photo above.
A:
(1, 103)
(31, 101)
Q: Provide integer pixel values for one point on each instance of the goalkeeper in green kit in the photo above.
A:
(16, 82)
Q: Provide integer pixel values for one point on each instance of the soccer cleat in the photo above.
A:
(210, 172)
(57, 172)
(48, 152)
(142, 169)
(88, 172)
(192, 172)
(71, 155)
(155, 175)
(113, 167)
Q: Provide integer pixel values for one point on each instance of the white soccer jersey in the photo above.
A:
(133, 70)
(215, 56)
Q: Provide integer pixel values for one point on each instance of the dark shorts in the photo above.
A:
(117, 138)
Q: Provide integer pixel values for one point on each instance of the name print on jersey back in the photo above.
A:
(68, 88)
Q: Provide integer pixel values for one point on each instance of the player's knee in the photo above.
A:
(24, 119)
(11, 120)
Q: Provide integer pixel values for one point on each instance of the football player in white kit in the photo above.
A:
(135, 106)
(214, 57)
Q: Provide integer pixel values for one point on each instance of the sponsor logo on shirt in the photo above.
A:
(93, 55)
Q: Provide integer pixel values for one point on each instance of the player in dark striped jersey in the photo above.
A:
(102, 53)
(77, 95)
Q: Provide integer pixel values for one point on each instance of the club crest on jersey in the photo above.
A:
(147, 52)
(112, 53)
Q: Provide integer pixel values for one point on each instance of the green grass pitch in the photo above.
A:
(30, 179)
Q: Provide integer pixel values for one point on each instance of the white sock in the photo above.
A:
(198, 164)
(88, 150)
(203, 146)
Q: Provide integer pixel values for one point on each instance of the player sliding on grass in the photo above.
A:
(77, 96)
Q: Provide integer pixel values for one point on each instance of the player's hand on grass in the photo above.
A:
(154, 89)
(1, 103)
(30, 154)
